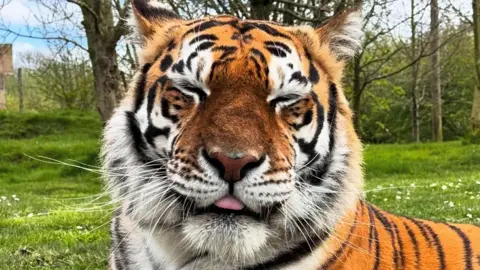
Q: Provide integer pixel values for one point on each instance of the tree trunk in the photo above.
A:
(476, 95)
(99, 29)
(260, 9)
(20, 90)
(413, 87)
(437, 133)
(3, 100)
(357, 93)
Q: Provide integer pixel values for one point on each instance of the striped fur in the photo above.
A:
(255, 88)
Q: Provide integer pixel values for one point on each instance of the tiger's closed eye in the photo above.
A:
(284, 101)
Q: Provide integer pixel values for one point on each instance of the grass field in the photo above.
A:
(41, 227)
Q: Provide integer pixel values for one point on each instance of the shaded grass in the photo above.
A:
(40, 229)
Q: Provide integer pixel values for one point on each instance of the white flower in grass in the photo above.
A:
(472, 197)
(3, 198)
(408, 198)
(469, 216)
(450, 184)
(399, 192)
(412, 185)
(79, 227)
(469, 209)
(444, 187)
(30, 215)
(459, 180)
(478, 182)
(433, 185)
(16, 199)
(14, 196)
(385, 199)
(9, 204)
(398, 197)
(451, 204)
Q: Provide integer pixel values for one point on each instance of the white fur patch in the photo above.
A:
(346, 42)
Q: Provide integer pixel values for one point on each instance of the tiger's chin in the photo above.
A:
(230, 238)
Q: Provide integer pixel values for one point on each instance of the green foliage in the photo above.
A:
(40, 203)
(56, 223)
(386, 104)
(61, 82)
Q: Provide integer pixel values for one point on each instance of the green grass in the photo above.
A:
(41, 229)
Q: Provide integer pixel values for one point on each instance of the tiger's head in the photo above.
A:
(236, 132)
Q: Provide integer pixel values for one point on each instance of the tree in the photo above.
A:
(103, 33)
(436, 87)
(476, 96)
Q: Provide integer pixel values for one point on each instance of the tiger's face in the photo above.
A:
(236, 133)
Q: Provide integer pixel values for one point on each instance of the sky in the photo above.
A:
(22, 16)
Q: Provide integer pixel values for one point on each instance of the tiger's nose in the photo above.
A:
(233, 169)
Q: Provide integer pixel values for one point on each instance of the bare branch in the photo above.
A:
(65, 39)
(83, 5)
(307, 6)
(296, 16)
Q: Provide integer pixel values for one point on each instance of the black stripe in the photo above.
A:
(194, 22)
(400, 246)
(274, 102)
(227, 50)
(414, 241)
(376, 241)
(165, 107)
(332, 111)
(339, 252)
(190, 58)
(297, 76)
(258, 69)
(263, 27)
(204, 46)
(140, 87)
(120, 249)
(467, 247)
(204, 26)
(264, 61)
(307, 119)
(388, 226)
(194, 90)
(279, 44)
(260, 55)
(171, 45)
(139, 143)
(203, 37)
(278, 52)
(422, 229)
(152, 132)
(309, 148)
(151, 12)
(166, 62)
(438, 245)
(371, 228)
(313, 75)
(152, 93)
(296, 254)
(179, 66)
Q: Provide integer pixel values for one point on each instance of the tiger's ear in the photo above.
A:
(148, 15)
(343, 33)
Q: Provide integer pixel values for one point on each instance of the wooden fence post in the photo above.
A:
(3, 100)
(20, 89)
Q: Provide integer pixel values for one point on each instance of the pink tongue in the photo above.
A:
(230, 202)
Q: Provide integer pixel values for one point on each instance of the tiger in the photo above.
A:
(234, 148)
